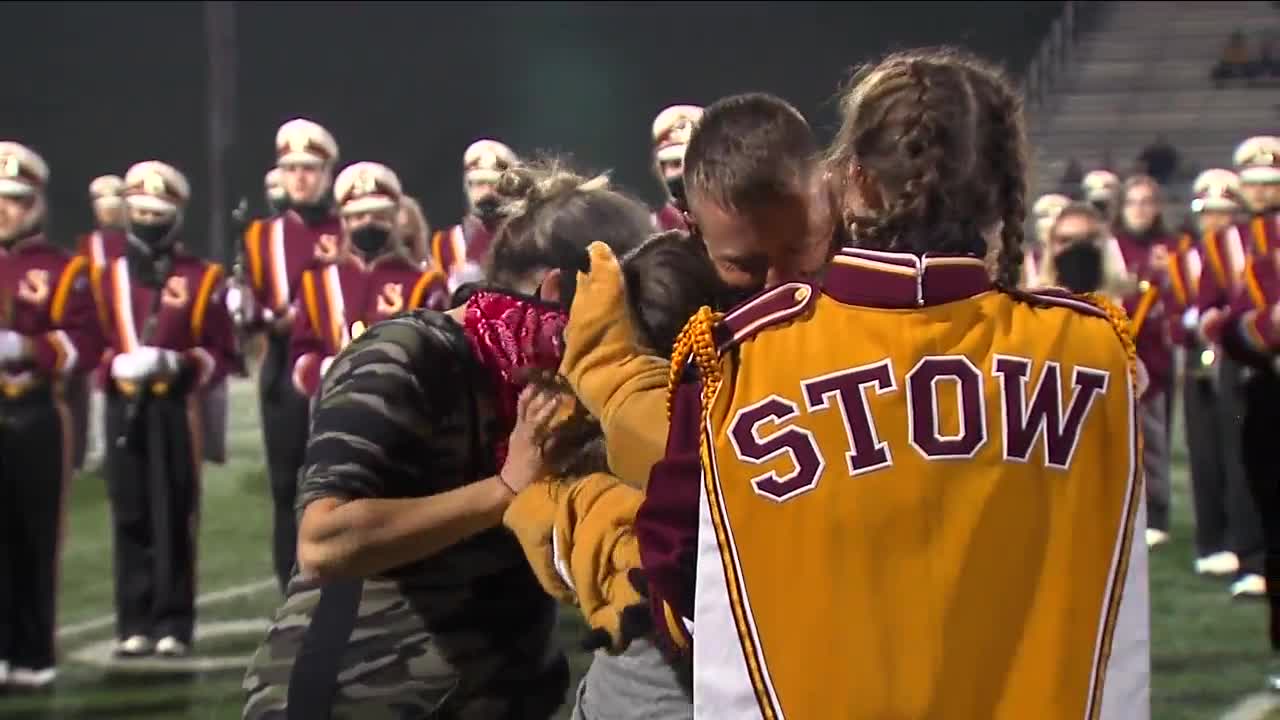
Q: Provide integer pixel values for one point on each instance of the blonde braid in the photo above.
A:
(697, 342)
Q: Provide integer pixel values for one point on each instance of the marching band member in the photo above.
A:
(49, 334)
(277, 251)
(1045, 211)
(460, 252)
(169, 335)
(899, 501)
(104, 243)
(374, 279)
(1226, 256)
(671, 130)
(1144, 243)
(415, 231)
(1249, 334)
(1225, 516)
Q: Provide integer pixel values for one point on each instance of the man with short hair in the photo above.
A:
(278, 250)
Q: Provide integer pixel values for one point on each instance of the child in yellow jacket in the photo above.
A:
(576, 525)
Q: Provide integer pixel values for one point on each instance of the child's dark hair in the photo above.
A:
(667, 278)
(943, 134)
(748, 150)
(551, 215)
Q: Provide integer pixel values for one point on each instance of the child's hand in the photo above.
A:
(535, 410)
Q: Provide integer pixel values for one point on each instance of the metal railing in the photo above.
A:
(1057, 52)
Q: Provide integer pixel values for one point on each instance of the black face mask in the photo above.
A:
(675, 186)
(156, 236)
(1080, 267)
(486, 209)
(1102, 206)
(371, 240)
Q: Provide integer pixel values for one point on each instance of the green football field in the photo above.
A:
(1209, 652)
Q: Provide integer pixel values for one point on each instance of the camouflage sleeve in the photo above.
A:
(372, 416)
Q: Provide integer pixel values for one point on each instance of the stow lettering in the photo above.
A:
(1045, 415)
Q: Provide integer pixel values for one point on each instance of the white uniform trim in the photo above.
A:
(722, 686)
(1126, 689)
(279, 271)
(69, 352)
(124, 303)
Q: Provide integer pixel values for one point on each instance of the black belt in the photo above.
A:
(313, 683)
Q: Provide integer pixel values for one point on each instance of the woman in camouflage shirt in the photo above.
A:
(411, 600)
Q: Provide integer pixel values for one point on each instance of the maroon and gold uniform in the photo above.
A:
(1249, 334)
(339, 301)
(462, 251)
(277, 251)
(881, 486)
(48, 335)
(168, 336)
(98, 247)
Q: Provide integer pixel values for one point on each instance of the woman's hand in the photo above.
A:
(534, 412)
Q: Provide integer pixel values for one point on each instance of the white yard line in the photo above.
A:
(1253, 707)
(213, 598)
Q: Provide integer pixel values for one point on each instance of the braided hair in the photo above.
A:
(942, 134)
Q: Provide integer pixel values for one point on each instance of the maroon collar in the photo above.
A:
(873, 278)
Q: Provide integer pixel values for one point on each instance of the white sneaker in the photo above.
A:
(170, 646)
(1249, 586)
(1156, 537)
(1219, 563)
(134, 646)
(4, 671)
(32, 679)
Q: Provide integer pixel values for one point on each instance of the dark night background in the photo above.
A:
(97, 86)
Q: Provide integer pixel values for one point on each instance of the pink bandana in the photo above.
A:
(510, 334)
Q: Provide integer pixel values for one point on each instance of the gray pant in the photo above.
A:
(636, 685)
(1153, 412)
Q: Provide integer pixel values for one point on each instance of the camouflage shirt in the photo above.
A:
(466, 633)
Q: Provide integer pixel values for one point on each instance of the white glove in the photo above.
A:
(145, 362)
(127, 367)
(235, 301)
(11, 346)
(1191, 319)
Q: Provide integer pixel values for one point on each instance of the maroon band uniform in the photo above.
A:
(339, 301)
(48, 302)
(153, 418)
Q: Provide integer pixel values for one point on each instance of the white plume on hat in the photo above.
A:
(303, 142)
(107, 191)
(1257, 160)
(1049, 205)
(1216, 189)
(672, 129)
(156, 186)
(1100, 185)
(366, 187)
(22, 171)
(484, 160)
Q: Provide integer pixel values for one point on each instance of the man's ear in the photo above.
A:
(549, 290)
